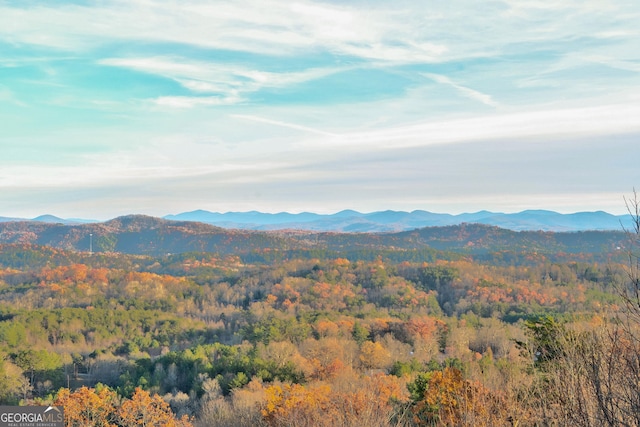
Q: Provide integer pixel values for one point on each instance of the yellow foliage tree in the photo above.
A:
(366, 401)
(294, 404)
(88, 407)
(450, 400)
(373, 355)
(145, 410)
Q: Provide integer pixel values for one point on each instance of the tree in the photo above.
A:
(13, 385)
(101, 407)
(88, 407)
(547, 339)
(41, 365)
(145, 410)
(631, 292)
(445, 398)
(373, 355)
(590, 373)
(295, 405)
(360, 333)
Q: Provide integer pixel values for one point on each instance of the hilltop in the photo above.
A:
(139, 234)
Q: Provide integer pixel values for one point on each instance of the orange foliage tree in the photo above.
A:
(368, 402)
(88, 407)
(446, 398)
(101, 408)
(294, 404)
(148, 411)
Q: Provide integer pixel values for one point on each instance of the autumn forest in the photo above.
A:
(286, 329)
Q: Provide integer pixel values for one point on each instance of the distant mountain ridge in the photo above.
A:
(385, 221)
(140, 234)
(49, 219)
(388, 221)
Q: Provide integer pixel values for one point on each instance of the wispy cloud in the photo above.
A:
(228, 80)
(283, 124)
(381, 31)
(195, 101)
(465, 91)
(268, 27)
(100, 173)
(602, 120)
(6, 95)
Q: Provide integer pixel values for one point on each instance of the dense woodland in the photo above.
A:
(139, 234)
(527, 334)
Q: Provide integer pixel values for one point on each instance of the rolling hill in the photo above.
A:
(138, 234)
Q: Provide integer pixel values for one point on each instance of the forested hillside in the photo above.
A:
(138, 234)
(464, 325)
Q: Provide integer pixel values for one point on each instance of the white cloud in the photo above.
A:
(105, 172)
(284, 124)
(465, 91)
(194, 101)
(603, 120)
(231, 81)
(614, 62)
(7, 95)
(410, 32)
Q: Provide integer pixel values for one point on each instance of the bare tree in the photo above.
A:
(592, 376)
(631, 292)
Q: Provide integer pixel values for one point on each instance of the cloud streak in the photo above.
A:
(421, 33)
(228, 80)
(576, 122)
(465, 91)
(284, 124)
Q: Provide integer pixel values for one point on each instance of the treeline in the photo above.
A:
(392, 337)
(138, 234)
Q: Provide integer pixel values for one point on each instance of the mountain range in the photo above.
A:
(139, 234)
(385, 221)
(382, 221)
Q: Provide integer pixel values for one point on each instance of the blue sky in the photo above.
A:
(158, 107)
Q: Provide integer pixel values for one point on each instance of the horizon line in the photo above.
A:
(4, 218)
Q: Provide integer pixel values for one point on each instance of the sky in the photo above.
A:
(115, 107)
